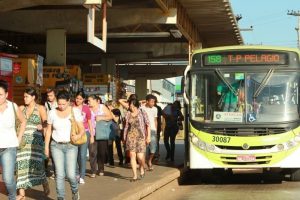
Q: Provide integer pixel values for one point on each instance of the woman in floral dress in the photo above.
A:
(136, 136)
(30, 156)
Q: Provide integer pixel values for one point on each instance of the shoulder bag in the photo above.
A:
(104, 130)
(76, 131)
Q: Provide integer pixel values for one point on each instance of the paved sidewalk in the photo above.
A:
(115, 183)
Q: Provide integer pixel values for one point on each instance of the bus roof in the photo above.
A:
(246, 47)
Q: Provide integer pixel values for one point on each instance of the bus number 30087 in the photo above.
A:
(221, 139)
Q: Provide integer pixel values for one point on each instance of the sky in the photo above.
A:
(269, 19)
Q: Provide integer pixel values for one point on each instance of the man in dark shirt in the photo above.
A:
(159, 124)
(172, 114)
(118, 139)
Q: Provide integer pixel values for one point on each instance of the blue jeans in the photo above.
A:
(65, 159)
(82, 153)
(8, 162)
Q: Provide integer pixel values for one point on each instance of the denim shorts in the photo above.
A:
(153, 144)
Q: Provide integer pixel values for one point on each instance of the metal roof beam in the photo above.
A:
(74, 20)
(7, 5)
(165, 5)
(186, 26)
(184, 23)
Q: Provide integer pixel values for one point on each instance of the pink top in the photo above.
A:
(86, 115)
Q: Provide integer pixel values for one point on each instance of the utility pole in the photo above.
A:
(296, 14)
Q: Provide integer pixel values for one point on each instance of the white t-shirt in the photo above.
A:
(152, 115)
(50, 106)
(62, 126)
(8, 135)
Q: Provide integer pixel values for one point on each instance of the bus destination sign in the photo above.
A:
(245, 58)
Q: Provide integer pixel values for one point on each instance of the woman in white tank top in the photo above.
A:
(9, 139)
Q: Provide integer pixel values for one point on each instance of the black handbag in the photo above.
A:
(116, 129)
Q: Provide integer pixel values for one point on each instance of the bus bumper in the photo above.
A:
(291, 161)
(200, 161)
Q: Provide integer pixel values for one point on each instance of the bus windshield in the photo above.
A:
(220, 96)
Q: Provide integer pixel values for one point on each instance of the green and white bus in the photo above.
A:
(242, 109)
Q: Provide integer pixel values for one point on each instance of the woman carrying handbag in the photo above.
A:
(64, 153)
(99, 149)
(82, 149)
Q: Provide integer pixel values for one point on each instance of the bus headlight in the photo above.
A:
(280, 147)
(201, 144)
(297, 138)
(210, 147)
(289, 144)
(195, 140)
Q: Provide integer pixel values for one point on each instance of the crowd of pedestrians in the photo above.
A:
(32, 136)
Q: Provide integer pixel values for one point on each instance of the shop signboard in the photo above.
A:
(95, 89)
(5, 67)
(95, 79)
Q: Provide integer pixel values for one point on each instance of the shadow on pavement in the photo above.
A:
(114, 175)
(200, 177)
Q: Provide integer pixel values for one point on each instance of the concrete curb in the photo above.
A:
(143, 190)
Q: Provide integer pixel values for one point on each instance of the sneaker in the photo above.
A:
(101, 174)
(93, 176)
(75, 196)
(81, 181)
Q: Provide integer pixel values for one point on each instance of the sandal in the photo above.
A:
(20, 197)
(150, 168)
(142, 175)
(133, 179)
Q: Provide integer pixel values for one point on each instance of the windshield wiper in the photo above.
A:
(226, 82)
(263, 83)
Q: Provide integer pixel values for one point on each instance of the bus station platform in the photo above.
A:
(115, 184)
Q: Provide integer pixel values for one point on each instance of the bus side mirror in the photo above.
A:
(185, 85)
(182, 85)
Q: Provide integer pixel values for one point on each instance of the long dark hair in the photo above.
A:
(65, 95)
(134, 102)
(132, 96)
(177, 105)
(96, 97)
(4, 85)
(32, 92)
(80, 93)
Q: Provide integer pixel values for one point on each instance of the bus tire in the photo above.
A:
(206, 175)
(272, 177)
(295, 175)
(212, 175)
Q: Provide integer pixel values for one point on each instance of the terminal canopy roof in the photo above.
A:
(138, 30)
